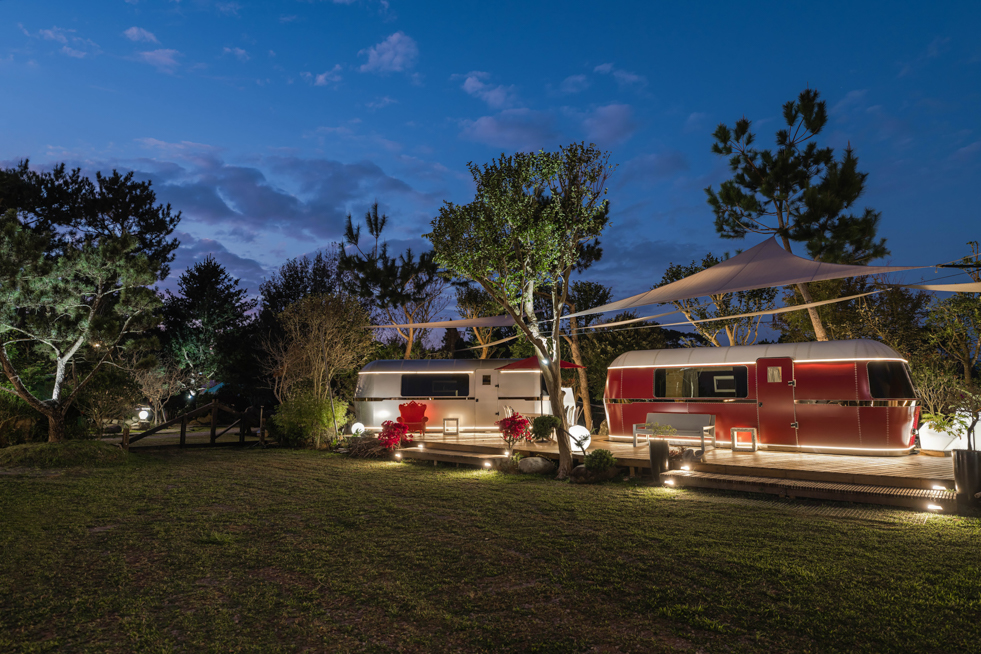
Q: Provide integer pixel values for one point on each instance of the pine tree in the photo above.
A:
(405, 289)
(798, 192)
(205, 323)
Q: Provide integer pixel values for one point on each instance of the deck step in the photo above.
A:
(462, 446)
(453, 456)
(913, 498)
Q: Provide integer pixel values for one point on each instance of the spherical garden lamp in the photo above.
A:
(357, 429)
(144, 414)
(580, 437)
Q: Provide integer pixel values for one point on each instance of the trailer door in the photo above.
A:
(775, 401)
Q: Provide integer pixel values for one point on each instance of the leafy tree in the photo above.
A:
(895, 316)
(739, 331)
(158, 380)
(798, 192)
(405, 289)
(205, 325)
(955, 322)
(67, 206)
(526, 230)
(74, 308)
(324, 335)
(584, 295)
(296, 279)
(473, 302)
(602, 345)
(111, 395)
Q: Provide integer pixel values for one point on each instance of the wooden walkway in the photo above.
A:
(914, 471)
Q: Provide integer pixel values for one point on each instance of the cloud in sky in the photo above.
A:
(228, 8)
(574, 84)
(139, 34)
(519, 129)
(381, 102)
(289, 197)
(623, 77)
(249, 272)
(397, 53)
(653, 167)
(238, 53)
(326, 78)
(496, 97)
(163, 60)
(610, 125)
(696, 122)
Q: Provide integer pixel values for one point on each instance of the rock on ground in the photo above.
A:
(536, 465)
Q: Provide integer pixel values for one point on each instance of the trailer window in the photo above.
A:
(714, 382)
(889, 380)
(435, 385)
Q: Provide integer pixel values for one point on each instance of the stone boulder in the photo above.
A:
(580, 475)
(536, 465)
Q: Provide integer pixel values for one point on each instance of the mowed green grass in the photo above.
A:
(229, 550)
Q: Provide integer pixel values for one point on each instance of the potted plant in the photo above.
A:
(967, 462)
(954, 407)
(543, 428)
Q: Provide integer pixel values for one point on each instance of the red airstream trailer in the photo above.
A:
(836, 397)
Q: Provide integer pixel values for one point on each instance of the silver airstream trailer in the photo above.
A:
(471, 391)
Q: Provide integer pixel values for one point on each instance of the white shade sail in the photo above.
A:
(763, 266)
(969, 287)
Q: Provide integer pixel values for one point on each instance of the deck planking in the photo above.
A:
(912, 471)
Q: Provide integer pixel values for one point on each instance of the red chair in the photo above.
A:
(413, 416)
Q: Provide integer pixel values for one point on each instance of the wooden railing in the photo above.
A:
(185, 418)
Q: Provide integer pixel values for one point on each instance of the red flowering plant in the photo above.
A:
(394, 435)
(515, 428)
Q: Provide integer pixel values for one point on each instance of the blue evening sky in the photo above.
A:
(266, 123)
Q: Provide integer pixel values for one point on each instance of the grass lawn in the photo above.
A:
(231, 550)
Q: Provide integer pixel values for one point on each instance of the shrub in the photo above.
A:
(600, 460)
(306, 420)
(393, 435)
(542, 427)
(658, 429)
(514, 429)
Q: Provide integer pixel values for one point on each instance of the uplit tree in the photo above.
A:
(205, 323)
(526, 230)
(798, 192)
(74, 309)
(78, 257)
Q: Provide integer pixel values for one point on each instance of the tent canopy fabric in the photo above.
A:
(487, 321)
(531, 363)
(969, 287)
(762, 266)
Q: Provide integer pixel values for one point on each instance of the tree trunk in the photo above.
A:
(56, 427)
(587, 412)
(408, 344)
(554, 385)
(819, 332)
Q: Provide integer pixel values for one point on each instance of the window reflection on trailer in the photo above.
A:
(472, 391)
(846, 397)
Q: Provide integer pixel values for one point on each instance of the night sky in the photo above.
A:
(266, 123)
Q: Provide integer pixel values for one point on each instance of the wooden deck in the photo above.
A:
(914, 471)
